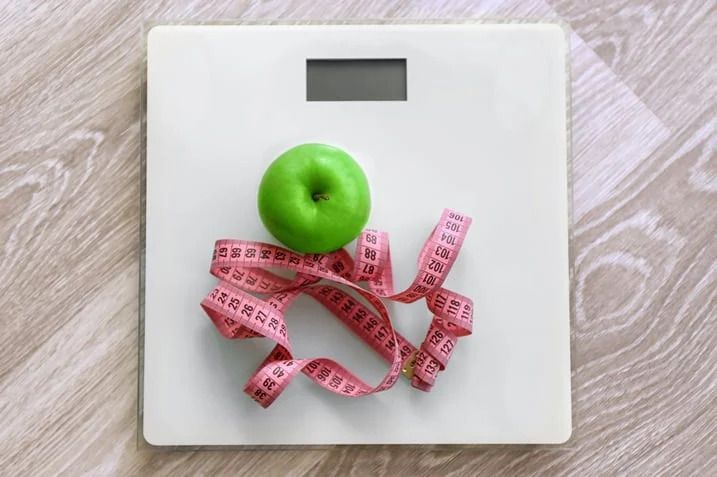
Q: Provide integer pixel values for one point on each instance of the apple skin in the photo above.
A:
(314, 198)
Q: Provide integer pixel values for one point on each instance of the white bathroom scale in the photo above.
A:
(471, 117)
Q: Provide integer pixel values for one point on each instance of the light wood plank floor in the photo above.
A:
(645, 224)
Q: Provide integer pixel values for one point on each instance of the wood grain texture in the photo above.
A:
(645, 249)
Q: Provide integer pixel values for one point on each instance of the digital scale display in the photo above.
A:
(356, 79)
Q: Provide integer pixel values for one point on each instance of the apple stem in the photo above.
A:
(318, 197)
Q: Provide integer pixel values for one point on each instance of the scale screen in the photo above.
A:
(356, 79)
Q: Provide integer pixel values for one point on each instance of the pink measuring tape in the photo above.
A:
(241, 266)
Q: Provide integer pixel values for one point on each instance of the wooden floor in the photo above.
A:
(645, 248)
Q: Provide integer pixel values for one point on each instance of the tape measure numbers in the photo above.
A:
(241, 269)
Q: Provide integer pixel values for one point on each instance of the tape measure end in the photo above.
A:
(409, 364)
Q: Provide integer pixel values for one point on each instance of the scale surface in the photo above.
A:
(482, 130)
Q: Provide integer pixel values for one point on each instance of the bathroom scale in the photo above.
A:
(471, 117)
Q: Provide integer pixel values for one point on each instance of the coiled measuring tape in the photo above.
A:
(241, 267)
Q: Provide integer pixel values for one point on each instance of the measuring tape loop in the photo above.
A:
(247, 254)
(241, 268)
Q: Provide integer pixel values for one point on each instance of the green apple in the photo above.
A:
(314, 198)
